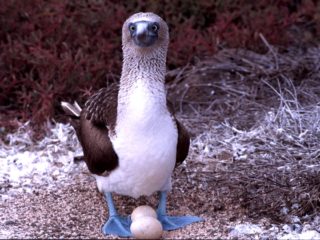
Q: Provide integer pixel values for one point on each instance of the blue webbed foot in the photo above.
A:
(173, 222)
(117, 225)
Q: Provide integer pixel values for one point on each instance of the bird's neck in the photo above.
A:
(143, 70)
(142, 93)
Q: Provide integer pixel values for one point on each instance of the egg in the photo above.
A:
(143, 211)
(146, 227)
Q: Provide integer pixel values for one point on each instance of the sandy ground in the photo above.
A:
(75, 209)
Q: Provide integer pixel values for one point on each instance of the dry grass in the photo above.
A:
(256, 125)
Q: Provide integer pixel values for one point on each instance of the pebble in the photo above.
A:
(245, 229)
(10, 222)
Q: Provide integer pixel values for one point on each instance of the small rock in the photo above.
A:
(245, 229)
(10, 222)
(286, 228)
(297, 228)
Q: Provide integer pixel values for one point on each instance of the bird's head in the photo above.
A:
(145, 32)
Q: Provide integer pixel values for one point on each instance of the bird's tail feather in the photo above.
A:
(71, 109)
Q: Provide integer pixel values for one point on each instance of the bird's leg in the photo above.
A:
(172, 222)
(116, 224)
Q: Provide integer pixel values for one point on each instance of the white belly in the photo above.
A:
(145, 142)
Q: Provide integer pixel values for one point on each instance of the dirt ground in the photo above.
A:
(78, 210)
(75, 209)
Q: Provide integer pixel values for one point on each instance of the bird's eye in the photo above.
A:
(132, 28)
(155, 27)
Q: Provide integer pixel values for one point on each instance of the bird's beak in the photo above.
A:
(143, 35)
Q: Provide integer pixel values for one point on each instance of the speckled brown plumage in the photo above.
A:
(101, 108)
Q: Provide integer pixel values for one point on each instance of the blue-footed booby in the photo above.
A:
(130, 137)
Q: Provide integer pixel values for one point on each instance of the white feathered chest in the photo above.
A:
(145, 142)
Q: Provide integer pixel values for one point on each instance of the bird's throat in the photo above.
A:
(142, 88)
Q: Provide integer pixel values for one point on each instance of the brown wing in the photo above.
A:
(183, 143)
(97, 121)
(183, 138)
(101, 108)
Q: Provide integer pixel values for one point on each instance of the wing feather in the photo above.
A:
(183, 137)
(97, 122)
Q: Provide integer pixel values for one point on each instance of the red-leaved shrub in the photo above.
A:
(64, 50)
